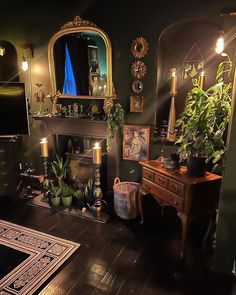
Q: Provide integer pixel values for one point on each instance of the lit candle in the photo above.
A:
(202, 80)
(173, 82)
(97, 154)
(44, 147)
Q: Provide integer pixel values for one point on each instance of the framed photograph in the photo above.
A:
(136, 142)
(93, 59)
(136, 104)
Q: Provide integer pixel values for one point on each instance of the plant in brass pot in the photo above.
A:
(203, 122)
(115, 119)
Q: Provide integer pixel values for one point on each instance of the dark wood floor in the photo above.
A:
(121, 257)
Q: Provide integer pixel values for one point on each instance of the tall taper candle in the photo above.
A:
(97, 154)
(202, 79)
(173, 82)
(44, 147)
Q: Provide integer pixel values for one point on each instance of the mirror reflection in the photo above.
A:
(80, 61)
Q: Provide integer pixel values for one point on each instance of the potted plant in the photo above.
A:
(203, 122)
(66, 194)
(115, 119)
(58, 168)
(84, 194)
(55, 195)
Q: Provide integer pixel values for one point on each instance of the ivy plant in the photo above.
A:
(202, 125)
(115, 119)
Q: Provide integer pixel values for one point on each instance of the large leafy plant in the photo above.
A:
(203, 122)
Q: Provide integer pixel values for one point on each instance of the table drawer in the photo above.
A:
(176, 187)
(161, 180)
(162, 194)
(148, 174)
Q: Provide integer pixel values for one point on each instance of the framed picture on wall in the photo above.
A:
(93, 59)
(136, 142)
(136, 104)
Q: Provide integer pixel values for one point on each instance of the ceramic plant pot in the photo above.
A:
(66, 201)
(196, 166)
(55, 201)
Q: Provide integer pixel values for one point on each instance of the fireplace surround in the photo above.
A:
(86, 131)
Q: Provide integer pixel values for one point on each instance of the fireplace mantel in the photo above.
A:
(55, 126)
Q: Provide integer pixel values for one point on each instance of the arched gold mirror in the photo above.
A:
(80, 61)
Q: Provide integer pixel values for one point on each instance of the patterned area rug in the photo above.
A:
(40, 256)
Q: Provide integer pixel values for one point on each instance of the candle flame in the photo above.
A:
(96, 144)
(202, 73)
(44, 140)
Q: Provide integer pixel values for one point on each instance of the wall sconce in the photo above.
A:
(26, 56)
(220, 43)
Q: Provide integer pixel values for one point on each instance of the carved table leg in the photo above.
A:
(141, 195)
(185, 223)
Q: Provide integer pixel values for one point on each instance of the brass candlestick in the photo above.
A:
(45, 167)
(97, 193)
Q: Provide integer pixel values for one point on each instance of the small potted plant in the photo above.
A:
(55, 195)
(66, 194)
(203, 122)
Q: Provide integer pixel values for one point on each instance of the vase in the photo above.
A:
(196, 166)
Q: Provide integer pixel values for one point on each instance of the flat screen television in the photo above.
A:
(14, 119)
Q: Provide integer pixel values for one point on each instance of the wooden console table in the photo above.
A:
(190, 196)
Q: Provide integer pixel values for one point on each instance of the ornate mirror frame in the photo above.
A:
(76, 26)
(139, 41)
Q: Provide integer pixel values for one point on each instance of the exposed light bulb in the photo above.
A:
(2, 51)
(220, 44)
(24, 64)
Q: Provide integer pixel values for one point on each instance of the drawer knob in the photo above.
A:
(174, 202)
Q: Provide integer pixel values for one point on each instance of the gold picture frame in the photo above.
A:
(136, 104)
(136, 141)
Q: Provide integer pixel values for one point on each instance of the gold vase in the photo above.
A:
(171, 134)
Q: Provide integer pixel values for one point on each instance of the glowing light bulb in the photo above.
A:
(25, 64)
(220, 44)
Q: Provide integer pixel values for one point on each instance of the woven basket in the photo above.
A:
(126, 199)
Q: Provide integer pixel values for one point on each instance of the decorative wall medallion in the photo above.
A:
(138, 69)
(137, 86)
(136, 104)
(139, 47)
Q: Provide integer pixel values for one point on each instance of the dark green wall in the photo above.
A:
(36, 21)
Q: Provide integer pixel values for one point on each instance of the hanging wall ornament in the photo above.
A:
(139, 47)
(138, 69)
(193, 63)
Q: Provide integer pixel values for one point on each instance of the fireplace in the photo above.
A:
(74, 138)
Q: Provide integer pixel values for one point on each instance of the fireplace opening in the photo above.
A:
(78, 152)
